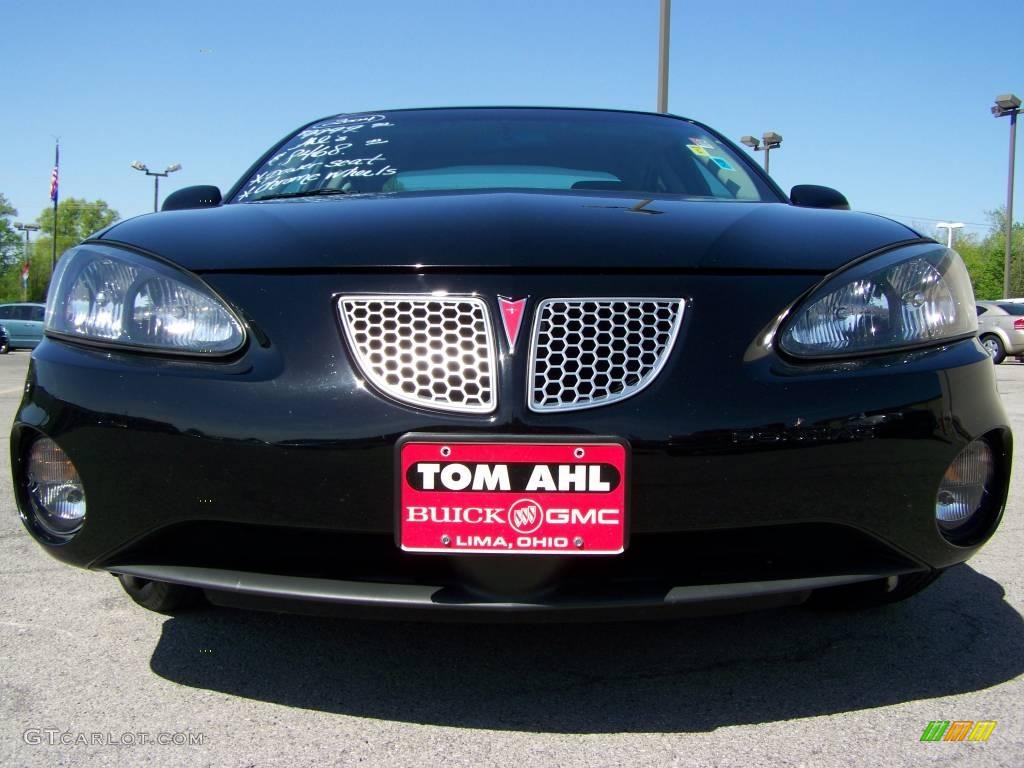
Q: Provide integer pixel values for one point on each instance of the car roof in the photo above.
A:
(483, 107)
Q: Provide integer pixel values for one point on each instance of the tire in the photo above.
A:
(159, 596)
(994, 347)
(871, 594)
(4, 349)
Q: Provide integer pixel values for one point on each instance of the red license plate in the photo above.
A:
(459, 495)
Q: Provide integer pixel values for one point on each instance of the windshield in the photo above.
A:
(468, 149)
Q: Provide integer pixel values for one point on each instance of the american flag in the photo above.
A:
(53, 178)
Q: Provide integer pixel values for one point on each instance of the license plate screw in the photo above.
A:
(578, 541)
(446, 539)
(446, 451)
(579, 453)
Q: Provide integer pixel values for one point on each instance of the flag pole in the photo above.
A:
(54, 195)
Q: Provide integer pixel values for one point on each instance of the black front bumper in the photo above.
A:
(660, 574)
(268, 474)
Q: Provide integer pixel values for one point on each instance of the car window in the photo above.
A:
(6, 312)
(467, 149)
(490, 176)
(982, 310)
(36, 314)
(1011, 309)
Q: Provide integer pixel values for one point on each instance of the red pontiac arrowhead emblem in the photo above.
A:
(512, 311)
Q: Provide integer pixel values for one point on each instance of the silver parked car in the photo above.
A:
(24, 323)
(1001, 328)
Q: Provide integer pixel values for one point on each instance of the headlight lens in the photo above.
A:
(908, 297)
(114, 296)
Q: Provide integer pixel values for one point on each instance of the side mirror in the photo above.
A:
(201, 196)
(813, 196)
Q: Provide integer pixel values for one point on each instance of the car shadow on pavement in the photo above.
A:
(683, 675)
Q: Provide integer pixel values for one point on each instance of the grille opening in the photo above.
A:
(438, 352)
(591, 352)
(434, 352)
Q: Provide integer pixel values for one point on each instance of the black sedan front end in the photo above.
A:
(568, 393)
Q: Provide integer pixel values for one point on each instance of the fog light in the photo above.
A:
(55, 489)
(965, 486)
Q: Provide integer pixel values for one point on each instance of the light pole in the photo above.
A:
(949, 226)
(156, 177)
(1008, 104)
(666, 13)
(28, 229)
(771, 139)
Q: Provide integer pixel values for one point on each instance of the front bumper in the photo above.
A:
(271, 476)
(301, 594)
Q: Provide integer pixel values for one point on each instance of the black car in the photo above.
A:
(511, 362)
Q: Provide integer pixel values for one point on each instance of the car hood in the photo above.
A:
(508, 230)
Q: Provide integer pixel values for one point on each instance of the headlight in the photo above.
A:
(908, 297)
(112, 296)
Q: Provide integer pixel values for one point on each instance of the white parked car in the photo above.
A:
(1001, 328)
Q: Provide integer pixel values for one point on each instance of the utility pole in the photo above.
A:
(1008, 105)
(666, 13)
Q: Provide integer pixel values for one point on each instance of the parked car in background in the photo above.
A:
(24, 324)
(5, 341)
(1001, 328)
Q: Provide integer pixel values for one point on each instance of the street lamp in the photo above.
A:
(1008, 104)
(28, 229)
(156, 177)
(771, 139)
(949, 226)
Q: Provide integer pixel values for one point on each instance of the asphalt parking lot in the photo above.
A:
(87, 678)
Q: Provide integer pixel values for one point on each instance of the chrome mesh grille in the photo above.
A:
(432, 351)
(591, 352)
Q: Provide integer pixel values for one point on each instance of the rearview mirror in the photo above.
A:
(200, 196)
(813, 196)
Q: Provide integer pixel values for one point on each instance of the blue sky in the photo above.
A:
(886, 101)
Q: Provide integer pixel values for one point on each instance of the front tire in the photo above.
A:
(994, 347)
(871, 594)
(159, 596)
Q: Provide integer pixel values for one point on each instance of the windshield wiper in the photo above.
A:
(306, 193)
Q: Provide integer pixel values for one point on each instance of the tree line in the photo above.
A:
(77, 218)
(985, 256)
